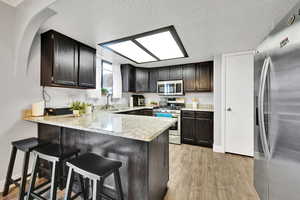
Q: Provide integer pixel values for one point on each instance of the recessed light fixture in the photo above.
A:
(156, 45)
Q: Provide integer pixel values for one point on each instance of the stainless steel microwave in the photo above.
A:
(170, 88)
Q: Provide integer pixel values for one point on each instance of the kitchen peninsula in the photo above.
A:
(141, 143)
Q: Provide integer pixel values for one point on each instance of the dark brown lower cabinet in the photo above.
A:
(197, 128)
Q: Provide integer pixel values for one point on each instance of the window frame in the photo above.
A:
(107, 62)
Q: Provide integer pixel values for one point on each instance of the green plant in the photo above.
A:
(104, 91)
(77, 105)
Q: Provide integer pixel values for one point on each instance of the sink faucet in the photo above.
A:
(109, 95)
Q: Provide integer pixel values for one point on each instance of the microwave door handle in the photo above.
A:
(262, 128)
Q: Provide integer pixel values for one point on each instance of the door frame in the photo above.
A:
(222, 148)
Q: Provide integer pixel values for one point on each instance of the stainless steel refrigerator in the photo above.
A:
(277, 112)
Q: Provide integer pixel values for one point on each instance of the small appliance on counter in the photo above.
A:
(138, 100)
(58, 111)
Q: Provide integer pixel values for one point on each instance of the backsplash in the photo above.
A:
(61, 97)
(202, 98)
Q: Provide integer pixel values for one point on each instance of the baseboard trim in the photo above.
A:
(218, 149)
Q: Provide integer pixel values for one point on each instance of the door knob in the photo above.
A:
(229, 109)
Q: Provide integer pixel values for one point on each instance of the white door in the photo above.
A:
(239, 81)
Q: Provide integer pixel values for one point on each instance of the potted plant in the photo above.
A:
(104, 91)
(78, 108)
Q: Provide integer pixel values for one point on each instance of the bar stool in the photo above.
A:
(97, 169)
(56, 155)
(25, 145)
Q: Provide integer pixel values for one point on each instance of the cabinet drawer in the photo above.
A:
(200, 114)
(190, 114)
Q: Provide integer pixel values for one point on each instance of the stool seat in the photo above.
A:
(56, 151)
(95, 164)
(95, 168)
(27, 145)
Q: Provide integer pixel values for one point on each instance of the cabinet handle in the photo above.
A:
(229, 109)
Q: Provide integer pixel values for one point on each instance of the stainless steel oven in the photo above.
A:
(170, 88)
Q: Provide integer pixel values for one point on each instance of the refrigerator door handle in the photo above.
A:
(262, 128)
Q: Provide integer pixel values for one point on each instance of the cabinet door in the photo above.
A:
(65, 64)
(164, 74)
(87, 67)
(176, 73)
(204, 76)
(153, 77)
(128, 78)
(189, 77)
(204, 132)
(142, 80)
(187, 130)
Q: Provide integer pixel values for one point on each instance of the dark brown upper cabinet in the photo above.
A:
(189, 78)
(142, 80)
(163, 74)
(175, 72)
(153, 77)
(128, 78)
(87, 63)
(204, 79)
(61, 60)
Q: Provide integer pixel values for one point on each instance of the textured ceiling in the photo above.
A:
(206, 27)
(13, 3)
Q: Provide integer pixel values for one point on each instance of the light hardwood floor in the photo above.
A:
(197, 173)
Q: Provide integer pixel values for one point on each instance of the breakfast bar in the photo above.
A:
(141, 143)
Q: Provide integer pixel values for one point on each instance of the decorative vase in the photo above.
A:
(88, 109)
(76, 113)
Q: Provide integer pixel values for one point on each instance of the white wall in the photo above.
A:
(17, 91)
(217, 103)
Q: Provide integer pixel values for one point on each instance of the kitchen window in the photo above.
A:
(107, 76)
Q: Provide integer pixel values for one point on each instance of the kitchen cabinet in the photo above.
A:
(204, 79)
(197, 128)
(175, 72)
(128, 78)
(163, 74)
(142, 80)
(187, 130)
(153, 77)
(62, 65)
(189, 78)
(87, 66)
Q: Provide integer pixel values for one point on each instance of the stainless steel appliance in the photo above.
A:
(171, 108)
(138, 100)
(170, 88)
(277, 119)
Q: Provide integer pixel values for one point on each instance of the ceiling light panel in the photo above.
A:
(130, 50)
(162, 45)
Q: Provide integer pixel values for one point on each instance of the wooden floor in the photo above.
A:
(197, 173)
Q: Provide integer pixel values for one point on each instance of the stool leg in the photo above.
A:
(54, 180)
(82, 187)
(118, 185)
(24, 175)
(69, 184)
(33, 177)
(95, 191)
(9, 171)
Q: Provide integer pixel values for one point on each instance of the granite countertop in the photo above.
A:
(143, 128)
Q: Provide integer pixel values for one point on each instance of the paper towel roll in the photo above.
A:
(38, 109)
